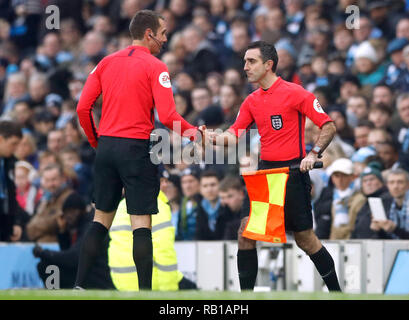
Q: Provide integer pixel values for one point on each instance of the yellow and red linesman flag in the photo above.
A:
(266, 190)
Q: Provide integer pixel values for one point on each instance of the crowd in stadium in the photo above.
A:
(359, 75)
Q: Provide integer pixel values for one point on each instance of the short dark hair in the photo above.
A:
(10, 129)
(209, 173)
(231, 182)
(268, 52)
(142, 20)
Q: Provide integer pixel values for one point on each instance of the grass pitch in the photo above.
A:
(186, 295)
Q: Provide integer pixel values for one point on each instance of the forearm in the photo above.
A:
(225, 139)
(326, 135)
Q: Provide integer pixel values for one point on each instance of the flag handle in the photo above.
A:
(317, 165)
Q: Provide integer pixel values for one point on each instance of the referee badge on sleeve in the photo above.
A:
(277, 122)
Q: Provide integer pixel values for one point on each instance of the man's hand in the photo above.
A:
(387, 225)
(17, 232)
(308, 162)
(37, 251)
(375, 226)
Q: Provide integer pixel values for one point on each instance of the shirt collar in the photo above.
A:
(273, 86)
(139, 48)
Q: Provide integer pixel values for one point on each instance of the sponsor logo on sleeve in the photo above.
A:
(317, 106)
(164, 80)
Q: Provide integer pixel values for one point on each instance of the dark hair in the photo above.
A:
(231, 182)
(10, 129)
(268, 52)
(142, 20)
(365, 123)
(209, 173)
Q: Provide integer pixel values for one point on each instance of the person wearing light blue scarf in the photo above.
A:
(397, 224)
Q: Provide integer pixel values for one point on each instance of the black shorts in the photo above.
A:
(125, 163)
(297, 206)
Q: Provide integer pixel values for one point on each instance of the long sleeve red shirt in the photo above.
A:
(132, 82)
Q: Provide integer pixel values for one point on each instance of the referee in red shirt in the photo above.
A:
(132, 82)
(279, 108)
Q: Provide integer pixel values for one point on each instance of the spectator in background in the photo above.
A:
(186, 224)
(366, 63)
(333, 209)
(276, 26)
(377, 136)
(22, 114)
(16, 90)
(53, 103)
(184, 82)
(72, 220)
(230, 101)
(27, 150)
(402, 82)
(233, 197)
(240, 41)
(214, 82)
(286, 67)
(56, 141)
(380, 115)
(372, 186)
(27, 194)
(93, 49)
(361, 133)
(11, 222)
(201, 56)
(80, 173)
(201, 99)
(397, 65)
(397, 224)
(43, 123)
(345, 134)
(402, 28)
(349, 86)
(173, 192)
(70, 37)
(402, 133)
(210, 224)
(360, 157)
(43, 226)
(357, 109)
(75, 137)
(172, 62)
(382, 93)
(343, 39)
(38, 88)
(388, 152)
(51, 54)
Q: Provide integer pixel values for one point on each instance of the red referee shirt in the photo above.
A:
(279, 114)
(132, 82)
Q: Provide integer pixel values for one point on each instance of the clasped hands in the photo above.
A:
(207, 136)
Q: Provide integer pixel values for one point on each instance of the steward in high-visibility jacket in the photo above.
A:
(165, 275)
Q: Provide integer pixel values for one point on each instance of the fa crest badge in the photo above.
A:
(276, 122)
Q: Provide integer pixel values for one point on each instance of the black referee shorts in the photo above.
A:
(125, 163)
(297, 206)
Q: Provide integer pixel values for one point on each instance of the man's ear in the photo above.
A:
(269, 64)
(148, 33)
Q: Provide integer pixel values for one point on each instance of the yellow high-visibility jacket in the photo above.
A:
(165, 275)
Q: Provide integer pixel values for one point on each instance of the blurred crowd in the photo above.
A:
(359, 75)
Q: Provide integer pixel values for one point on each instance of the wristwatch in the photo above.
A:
(316, 150)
